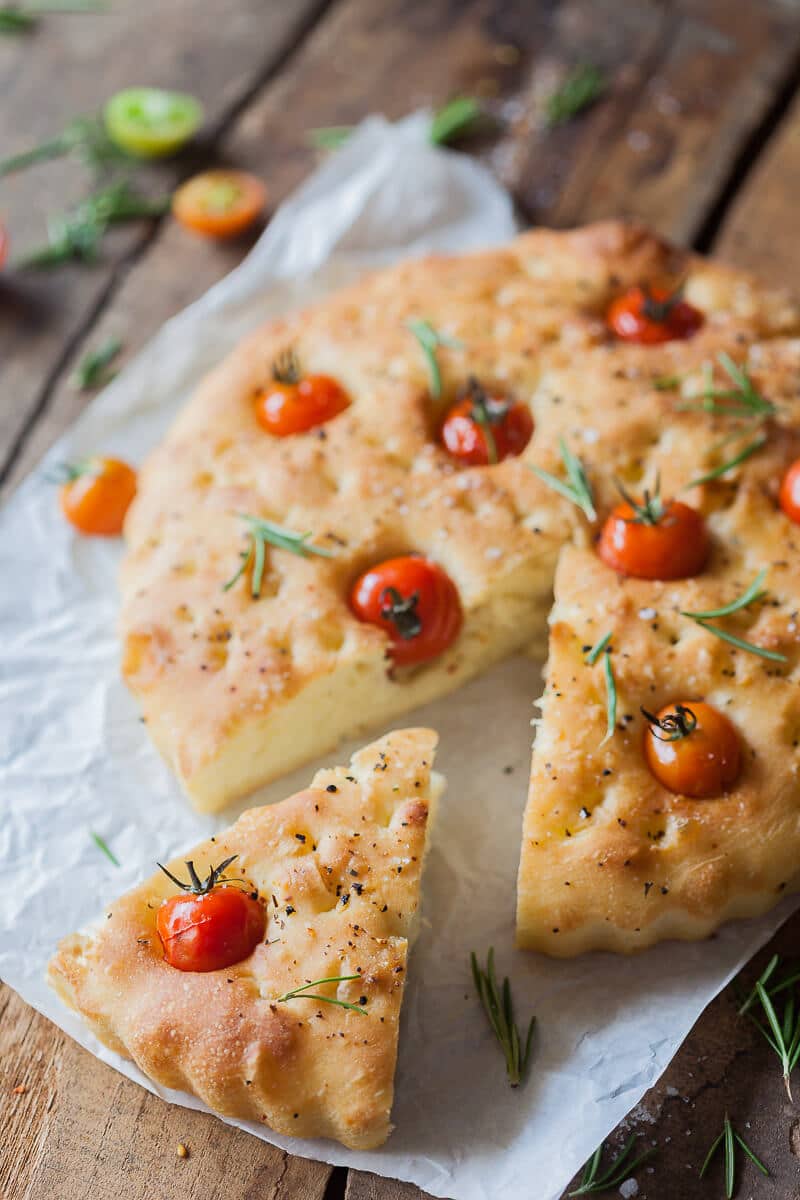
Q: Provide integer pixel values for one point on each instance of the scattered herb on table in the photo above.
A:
(85, 137)
(729, 1139)
(782, 1035)
(77, 235)
(18, 18)
(302, 993)
(577, 489)
(95, 368)
(579, 91)
(618, 1170)
(498, 1006)
(262, 533)
(103, 846)
(753, 593)
(774, 989)
(455, 118)
(430, 340)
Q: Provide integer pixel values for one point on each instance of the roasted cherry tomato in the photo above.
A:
(415, 601)
(790, 492)
(655, 539)
(96, 495)
(150, 122)
(294, 403)
(653, 315)
(692, 748)
(211, 924)
(482, 428)
(219, 204)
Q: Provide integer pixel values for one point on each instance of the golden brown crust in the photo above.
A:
(229, 686)
(339, 866)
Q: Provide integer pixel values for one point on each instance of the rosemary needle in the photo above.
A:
(302, 993)
(603, 647)
(581, 88)
(751, 595)
(430, 340)
(95, 369)
(618, 1170)
(577, 489)
(102, 845)
(729, 1139)
(262, 533)
(497, 1005)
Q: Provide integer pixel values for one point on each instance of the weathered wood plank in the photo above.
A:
(655, 148)
(89, 57)
(80, 1131)
(760, 229)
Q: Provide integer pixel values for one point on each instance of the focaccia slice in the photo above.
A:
(611, 859)
(338, 867)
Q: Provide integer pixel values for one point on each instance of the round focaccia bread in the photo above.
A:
(236, 690)
(338, 867)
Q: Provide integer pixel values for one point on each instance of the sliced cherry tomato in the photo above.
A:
(96, 495)
(655, 539)
(790, 492)
(653, 315)
(693, 749)
(415, 601)
(295, 403)
(151, 123)
(211, 924)
(482, 428)
(219, 204)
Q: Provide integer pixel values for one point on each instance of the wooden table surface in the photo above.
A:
(698, 135)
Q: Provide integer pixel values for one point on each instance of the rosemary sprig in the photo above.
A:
(618, 1170)
(784, 1035)
(430, 340)
(16, 18)
(749, 596)
(103, 845)
(742, 399)
(262, 533)
(754, 593)
(723, 468)
(93, 371)
(667, 383)
(578, 489)
(728, 1139)
(497, 1005)
(764, 979)
(86, 137)
(581, 88)
(77, 235)
(603, 647)
(302, 993)
(452, 120)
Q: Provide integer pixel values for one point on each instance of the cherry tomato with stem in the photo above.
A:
(652, 315)
(415, 602)
(212, 923)
(654, 538)
(482, 428)
(692, 749)
(219, 204)
(96, 494)
(294, 403)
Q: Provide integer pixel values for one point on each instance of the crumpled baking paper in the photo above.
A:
(74, 757)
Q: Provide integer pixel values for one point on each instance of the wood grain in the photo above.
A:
(69, 67)
(690, 83)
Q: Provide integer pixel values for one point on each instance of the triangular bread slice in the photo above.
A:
(339, 866)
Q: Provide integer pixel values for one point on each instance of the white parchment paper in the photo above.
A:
(74, 757)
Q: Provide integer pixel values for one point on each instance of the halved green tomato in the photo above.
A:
(151, 123)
